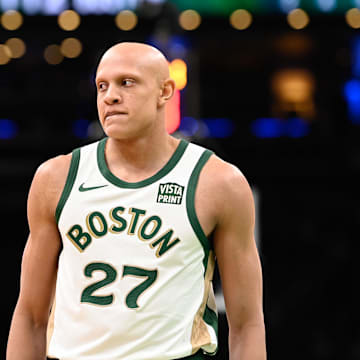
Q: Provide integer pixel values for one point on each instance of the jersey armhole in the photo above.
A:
(190, 204)
(74, 165)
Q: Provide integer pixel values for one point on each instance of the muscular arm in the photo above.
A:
(237, 258)
(27, 338)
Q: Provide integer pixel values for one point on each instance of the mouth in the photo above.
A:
(114, 113)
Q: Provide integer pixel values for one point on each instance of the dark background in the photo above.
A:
(306, 187)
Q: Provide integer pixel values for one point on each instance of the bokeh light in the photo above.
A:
(326, 5)
(17, 47)
(172, 112)
(71, 48)
(288, 5)
(5, 54)
(189, 20)
(69, 20)
(126, 20)
(80, 128)
(219, 127)
(276, 128)
(189, 126)
(353, 18)
(240, 19)
(11, 20)
(293, 85)
(8, 129)
(53, 55)
(178, 72)
(298, 19)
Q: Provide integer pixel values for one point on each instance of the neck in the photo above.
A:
(135, 159)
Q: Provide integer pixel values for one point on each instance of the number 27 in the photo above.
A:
(111, 274)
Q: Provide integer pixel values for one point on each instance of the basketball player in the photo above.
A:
(119, 247)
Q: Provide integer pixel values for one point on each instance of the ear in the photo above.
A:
(166, 92)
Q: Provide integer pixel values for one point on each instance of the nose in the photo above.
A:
(112, 96)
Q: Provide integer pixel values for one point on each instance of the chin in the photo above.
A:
(119, 133)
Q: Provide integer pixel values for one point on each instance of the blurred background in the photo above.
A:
(272, 86)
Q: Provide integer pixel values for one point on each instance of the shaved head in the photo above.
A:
(145, 56)
(133, 86)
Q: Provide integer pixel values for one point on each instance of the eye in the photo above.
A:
(128, 82)
(101, 86)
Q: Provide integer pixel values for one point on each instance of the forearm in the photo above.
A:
(27, 341)
(247, 343)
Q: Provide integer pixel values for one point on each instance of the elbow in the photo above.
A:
(34, 319)
(247, 323)
(237, 330)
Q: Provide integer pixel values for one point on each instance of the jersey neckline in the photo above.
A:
(105, 171)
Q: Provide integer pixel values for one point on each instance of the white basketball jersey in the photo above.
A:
(135, 271)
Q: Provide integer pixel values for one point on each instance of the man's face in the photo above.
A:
(127, 95)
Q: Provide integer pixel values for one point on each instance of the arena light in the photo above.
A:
(85, 7)
(32, 7)
(240, 19)
(5, 54)
(288, 5)
(298, 19)
(80, 128)
(98, 7)
(8, 129)
(17, 47)
(55, 7)
(326, 5)
(69, 20)
(266, 128)
(293, 85)
(71, 48)
(352, 96)
(9, 4)
(293, 92)
(356, 56)
(172, 113)
(126, 20)
(296, 127)
(11, 20)
(177, 46)
(189, 126)
(189, 20)
(219, 128)
(353, 18)
(178, 72)
(53, 55)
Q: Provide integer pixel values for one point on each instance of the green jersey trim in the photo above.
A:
(190, 205)
(74, 165)
(136, 185)
(210, 317)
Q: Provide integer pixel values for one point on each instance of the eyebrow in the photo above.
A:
(119, 76)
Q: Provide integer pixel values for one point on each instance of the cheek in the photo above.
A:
(149, 101)
(100, 110)
(100, 105)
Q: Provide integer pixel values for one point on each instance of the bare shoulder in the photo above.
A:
(225, 181)
(222, 192)
(54, 169)
(224, 173)
(49, 181)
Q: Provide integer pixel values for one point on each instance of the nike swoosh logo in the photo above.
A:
(82, 188)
